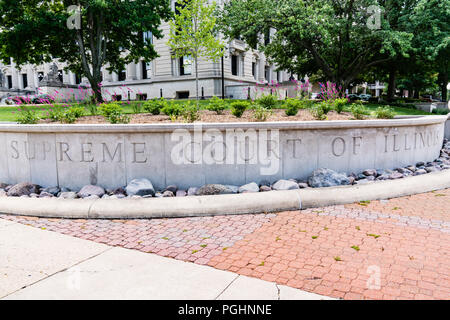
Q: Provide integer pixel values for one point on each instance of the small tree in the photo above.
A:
(85, 34)
(193, 33)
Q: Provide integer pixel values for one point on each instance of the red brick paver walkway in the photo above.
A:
(396, 249)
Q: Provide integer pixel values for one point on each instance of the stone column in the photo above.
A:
(131, 71)
(115, 77)
(31, 78)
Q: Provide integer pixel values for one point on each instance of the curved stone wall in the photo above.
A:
(196, 154)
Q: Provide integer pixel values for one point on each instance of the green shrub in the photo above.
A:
(326, 106)
(155, 106)
(359, 111)
(384, 113)
(171, 109)
(93, 111)
(190, 112)
(268, 101)
(441, 111)
(317, 112)
(76, 111)
(339, 104)
(27, 116)
(113, 113)
(136, 107)
(261, 114)
(55, 114)
(238, 108)
(292, 106)
(217, 105)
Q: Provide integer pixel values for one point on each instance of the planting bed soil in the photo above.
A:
(212, 117)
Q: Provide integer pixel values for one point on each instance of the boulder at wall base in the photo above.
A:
(140, 187)
(213, 189)
(327, 178)
(285, 185)
(23, 189)
(91, 190)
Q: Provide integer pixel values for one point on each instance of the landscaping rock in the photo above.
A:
(68, 195)
(168, 194)
(181, 193)
(192, 191)
(285, 185)
(327, 178)
(117, 196)
(118, 191)
(250, 187)
(140, 187)
(46, 195)
(91, 190)
(234, 189)
(213, 189)
(172, 188)
(3, 193)
(420, 164)
(431, 169)
(23, 189)
(411, 168)
(370, 172)
(265, 183)
(52, 190)
(92, 197)
(396, 175)
(420, 172)
(265, 189)
(3, 185)
(303, 185)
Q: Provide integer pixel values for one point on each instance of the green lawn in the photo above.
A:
(9, 113)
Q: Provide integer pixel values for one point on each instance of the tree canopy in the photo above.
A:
(339, 39)
(110, 33)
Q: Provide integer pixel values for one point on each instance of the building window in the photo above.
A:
(9, 82)
(267, 37)
(254, 69)
(185, 66)
(278, 76)
(25, 80)
(77, 78)
(122, 75)
(141, 96)
(60, 75)
(148, 37)
(40, 76)
(267, 73)
(145, 67)
(234, 65)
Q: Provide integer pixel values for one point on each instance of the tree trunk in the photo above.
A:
(444, 86)
(196, 80)
(97, 90)
(391, 85)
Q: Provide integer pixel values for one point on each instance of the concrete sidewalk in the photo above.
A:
(39, 264)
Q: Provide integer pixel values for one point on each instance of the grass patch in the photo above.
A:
(337, 258)
(376, 236)
(355, 247)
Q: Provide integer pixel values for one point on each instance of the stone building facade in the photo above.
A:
(164, 76)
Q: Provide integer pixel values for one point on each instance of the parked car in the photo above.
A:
(365, 97)
(353, 97)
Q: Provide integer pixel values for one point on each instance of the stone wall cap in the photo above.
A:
(169, 127)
